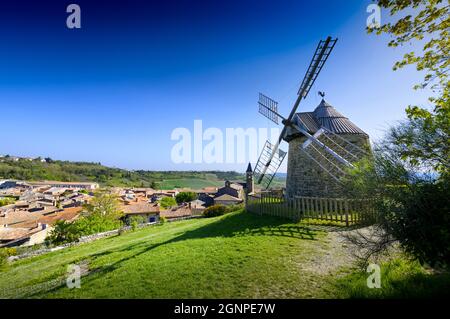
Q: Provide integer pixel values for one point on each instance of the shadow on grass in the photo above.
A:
(232, 225)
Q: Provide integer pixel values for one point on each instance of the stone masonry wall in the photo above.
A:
(306, 178)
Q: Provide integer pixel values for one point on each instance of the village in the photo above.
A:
(33, 208)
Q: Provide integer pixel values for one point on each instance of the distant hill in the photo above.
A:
(37, 169)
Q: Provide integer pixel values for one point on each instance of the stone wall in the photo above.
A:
(306, 178)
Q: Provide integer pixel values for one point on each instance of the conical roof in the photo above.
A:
(326, 110)
(249, 168)
(325, 115)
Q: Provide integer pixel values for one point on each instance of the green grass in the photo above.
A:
(238, 255)
(400, 278)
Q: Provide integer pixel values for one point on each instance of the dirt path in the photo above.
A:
(332, 254)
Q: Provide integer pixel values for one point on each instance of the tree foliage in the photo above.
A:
(104, 204)
(215, 210)
(95, 172)
(411, 201)
(427, 23)
(7, 201)
(167, 202)
(408, 177)
(100, 215)
(185, 197)
(63, 232)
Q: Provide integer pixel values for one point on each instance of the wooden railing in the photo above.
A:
(341, 210)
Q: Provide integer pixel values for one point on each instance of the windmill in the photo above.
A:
(330, 151)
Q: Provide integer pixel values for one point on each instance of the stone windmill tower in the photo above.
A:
(307, 175)
(322, 144)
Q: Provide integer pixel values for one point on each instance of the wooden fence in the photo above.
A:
(340, 210)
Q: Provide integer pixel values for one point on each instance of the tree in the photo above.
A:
(185, 197)
(412, 205)
(104, 204)
(62, 233)
(426, 22)
(408, 177)
(154, 185)
(167, 202)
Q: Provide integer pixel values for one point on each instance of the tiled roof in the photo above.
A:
(18, 217)
(177, 212)
(67, 214)
(140, 208)
(7, 233)
(227, 197)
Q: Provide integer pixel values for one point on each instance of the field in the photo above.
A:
(192, 183)
(239, 255)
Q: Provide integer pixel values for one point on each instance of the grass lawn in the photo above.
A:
(238, 255)
(400, 278)
(234, 256)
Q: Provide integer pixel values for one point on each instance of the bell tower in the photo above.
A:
(249, 179)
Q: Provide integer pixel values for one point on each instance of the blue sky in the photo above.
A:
(114, 90)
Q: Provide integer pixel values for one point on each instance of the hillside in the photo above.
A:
(95, 172)
(202, 258)
(239, 255)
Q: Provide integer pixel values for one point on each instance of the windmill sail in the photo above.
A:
(332, 153)
(270, 110)
(321, 55)
(270, 170)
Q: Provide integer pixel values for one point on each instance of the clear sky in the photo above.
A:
(114, 90)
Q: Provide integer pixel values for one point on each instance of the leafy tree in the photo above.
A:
(167, 202)
(185, 197)
(135, 221)
(104, 204)
(411, 202)
(408, 177)
(427, 23)
(63, 232)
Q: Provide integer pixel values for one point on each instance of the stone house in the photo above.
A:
(149, 211)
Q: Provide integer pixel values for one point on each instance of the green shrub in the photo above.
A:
(135, 221)
(185, 197)
(234, 208)
(4, 254)
(7, 201)
(3, 259)
(167, 202)
(162, 219)
(214, 211)
(63, 233)
(96, 223)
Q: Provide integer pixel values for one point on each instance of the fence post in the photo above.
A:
(346, 212)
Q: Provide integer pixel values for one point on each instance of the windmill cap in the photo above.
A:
(325, 115)
(325, 109)
(249, 168)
